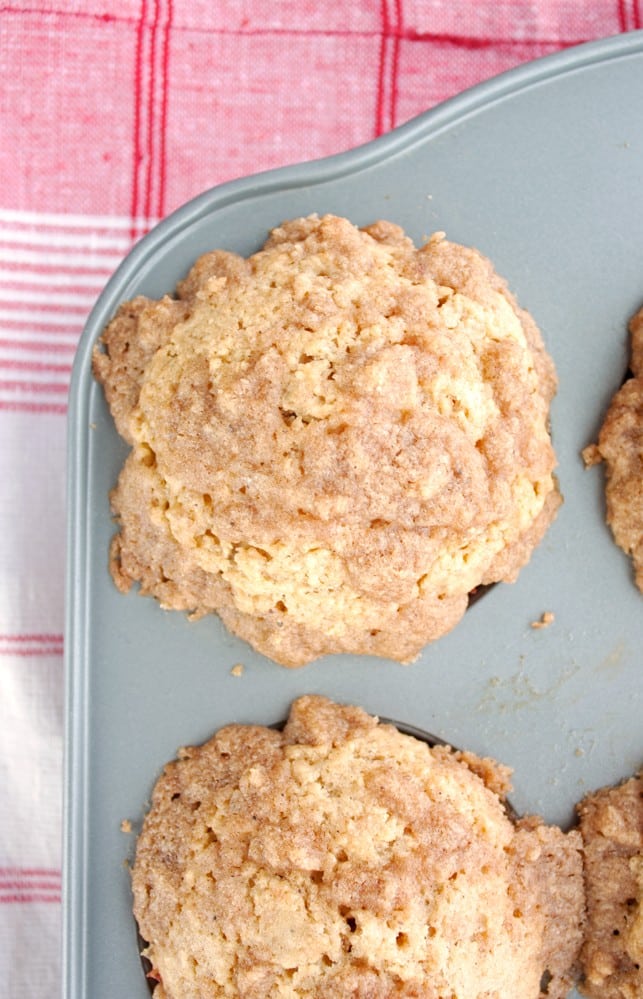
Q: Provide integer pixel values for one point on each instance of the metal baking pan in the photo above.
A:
(542, 170)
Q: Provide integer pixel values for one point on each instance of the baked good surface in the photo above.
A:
(333, 441)
(620, 446)
(611, 822)
(340, 857)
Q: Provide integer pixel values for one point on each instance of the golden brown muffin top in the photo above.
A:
(334, 441)
(340, 857)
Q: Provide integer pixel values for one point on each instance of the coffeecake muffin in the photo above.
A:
(611, 823)
(342, 858)
(333, 442)
(620, 446)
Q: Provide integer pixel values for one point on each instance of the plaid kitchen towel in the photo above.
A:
(111, 115)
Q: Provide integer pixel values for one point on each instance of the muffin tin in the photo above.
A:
(541, 169)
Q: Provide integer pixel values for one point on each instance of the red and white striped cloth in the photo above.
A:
(111, 115)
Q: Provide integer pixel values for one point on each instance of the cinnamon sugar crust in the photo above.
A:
(620, 446)
(341, 858)
(611, 823)
(333, 441)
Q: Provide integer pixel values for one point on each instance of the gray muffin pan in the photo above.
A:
(542, 170)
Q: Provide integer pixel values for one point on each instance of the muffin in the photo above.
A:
(342, 858)
(611, 823)
(333, 442)
(620, 446)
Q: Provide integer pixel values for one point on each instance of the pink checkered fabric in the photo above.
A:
(111, 115)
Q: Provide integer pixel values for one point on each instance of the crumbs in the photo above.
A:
(126, 826)
(544, 620)
(591, 455)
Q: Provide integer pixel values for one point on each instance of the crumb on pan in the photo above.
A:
(333, 442)
(339, 857)
(547, 618)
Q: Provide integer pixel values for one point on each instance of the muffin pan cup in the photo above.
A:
(541, 169)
